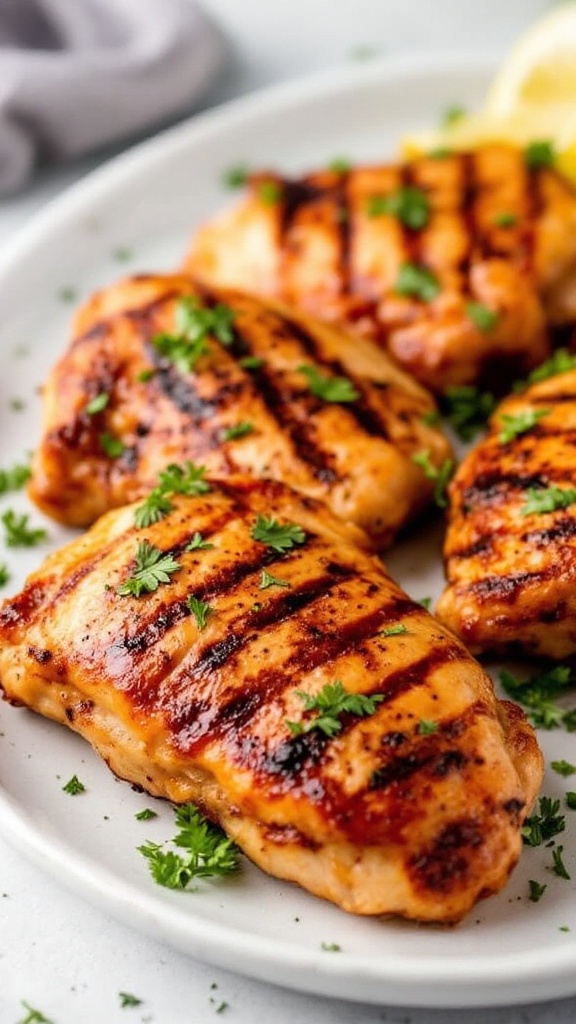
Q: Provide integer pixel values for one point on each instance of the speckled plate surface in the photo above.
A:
(136, 214)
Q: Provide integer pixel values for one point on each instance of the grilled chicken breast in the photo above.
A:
(511, 541)
(454, 262)
(125, 400)
(413, 807)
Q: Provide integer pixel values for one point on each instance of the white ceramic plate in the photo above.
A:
(135, 214)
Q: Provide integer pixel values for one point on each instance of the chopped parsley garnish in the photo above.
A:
(468, 409)
(17, 533)
(561, 361)
(417, 282)
(409, 204)
(174, 479)
(539, 154)
(441, 153)
(484, 318)
(339, 165)
(536, 890)
(194, 324)
(201, 610)
(74, 786)
(198, 543)
(152, 567)
(431, 418)
(331, 702)
(127, 999)
(208, 852)
(33, 1016)
(329, 389)
(452, 115)
(558, 866)
(146, 815)
(123, 254)
(440, 475)
(505, 219)
(236, 177)
(251, 362)
(547, 499)
(67, 294)
(97, 404)
(268, 580)
(331, 947)
(563, 768)
(237, 430)
(393, 630)
(4, 574)
(513, 426)
(145, 375)
(427, 727)
(278, 536)
(571, 800)
(156, 506)
(426, 603)
(14, 479)
(269, 192)
(538, 695)
(543, 826)
(112, 446)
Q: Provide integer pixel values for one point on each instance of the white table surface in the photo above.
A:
(62, 956)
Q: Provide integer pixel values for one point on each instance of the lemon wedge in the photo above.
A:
(533, 97)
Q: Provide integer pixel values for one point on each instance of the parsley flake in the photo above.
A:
(539, 154)
(452, 115)
(236, 177)
(331, 947)
(251, 362)
(331, 702)
(198, 543)
(440, 475)
(268, 580)
(17, 533)
(571, 800)
(547, 499)
(426, 603)
(174, 479)
(541, 827)
(538, 695)
(278, 536)
(427, 727)
(393, 630)
(563, 768)
(536, 890)
(505, 219)
(152, 567)
(15, 478)
(33, 1016)
(329, 389)
(4, 574)
(156, 506)
(201, 610)
(561, 361)
(208, 852)
(112, 446)
(269, 192)
(194, 324)
(339, 165)
(558, 866)
(484, 318)
(73, 787)
(410, 205)
(514, 426)
(146, 815)
(468, 409)
(237, 430)
(127, 999)
(145, 375)
(417, 282)
(97, 404)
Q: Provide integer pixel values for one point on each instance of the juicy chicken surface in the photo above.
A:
(511, 571)
(356, 455)
(384, 816)
(493, 233)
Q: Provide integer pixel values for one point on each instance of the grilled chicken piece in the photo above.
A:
(356, 455)
(414, 809)
(491, 232)
(511, 571)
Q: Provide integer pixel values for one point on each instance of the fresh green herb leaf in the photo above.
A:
(123, 254)
(208, 852)
(393, 630)
(561, 361)
(329, 389)
(431, 418)
(194, 324)
(33, 1016)
(278, 536)
(513, 426)
(155, 507)
(426, 603)
(152, 567)
(268, 580)
(547, 499)
(17, 404)
(571, 800)
(145, 375)
(563, 768)
(331, 703)
(269, 192)
(251, 362)
(427, 727)
(186, 479)
(539, 154)
(538, 695)
(558, 866)
(201, 610)
(339, 165)
(468, 409)
(17, 533)
(112, 446)
(505, 219)
(440, 475)
(236, 177)
(543, 826)
(127, 999)
(417, 282)
(564, 928)
(97, 404)
(198, 543)
(74, 786)
(238, 430)
(536, 890)
(331, 947)
(410, 205)
(221, 1007)
(364, 52)
(14, 479)
(146, 815)
(484, 318)
(4, 574)
(67, 294)
(441, 153)
(452, 115)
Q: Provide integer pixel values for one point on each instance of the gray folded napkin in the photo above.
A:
(75, 74)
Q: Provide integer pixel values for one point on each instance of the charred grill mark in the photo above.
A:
(444, 864)
(180, 390)
(563, 529)
(439, 763)
(479, 547)
(561, 396)
(494, 486)
(507, 588)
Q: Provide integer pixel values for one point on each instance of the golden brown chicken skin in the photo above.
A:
(454, 262)
(119, 406)
(511, 542)
(413, 807)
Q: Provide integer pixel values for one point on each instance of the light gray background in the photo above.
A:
(57, 953)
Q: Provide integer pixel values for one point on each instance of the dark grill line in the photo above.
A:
(506, 588)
